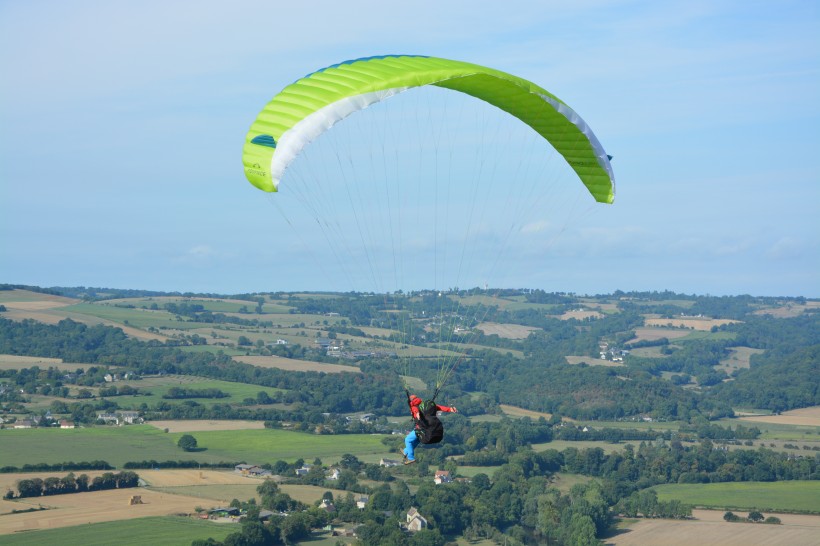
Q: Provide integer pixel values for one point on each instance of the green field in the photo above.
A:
(223, 494)
(144, 442)
(776, 431)
(214, 305)
(560, 445)
(159, 386)
(785, 496)
(160, 531)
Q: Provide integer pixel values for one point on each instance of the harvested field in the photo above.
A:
(654, 334)
(198, 425)
(294, 365)
(55, 315)
(15, 362)
(508, 331)
(214, 495)
(709, 528)
(702, 324)
(802, 416)
(26, 300)
(193, 477)
(514, 411)
(789, 310)
(94, 507)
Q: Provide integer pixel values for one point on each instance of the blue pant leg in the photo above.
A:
(410, 443)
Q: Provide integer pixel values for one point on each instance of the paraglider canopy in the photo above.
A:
(310, 106)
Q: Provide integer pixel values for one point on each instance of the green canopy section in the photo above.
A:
(305, 109)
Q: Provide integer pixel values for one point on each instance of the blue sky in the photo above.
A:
(121, 127)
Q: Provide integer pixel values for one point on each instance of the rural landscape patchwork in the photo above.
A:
(130, 416)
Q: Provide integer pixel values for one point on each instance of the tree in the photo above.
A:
(729, 516)
(755, 516)
(187, 442)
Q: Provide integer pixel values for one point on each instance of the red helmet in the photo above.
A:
(414, 400)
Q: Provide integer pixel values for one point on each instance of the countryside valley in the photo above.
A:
(273, 418)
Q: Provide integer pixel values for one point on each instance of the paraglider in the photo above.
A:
(427, 427)
(306, 110)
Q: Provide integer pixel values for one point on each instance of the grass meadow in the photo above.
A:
(156, 531)
(159, 386)
(785, 496)
(118, 445)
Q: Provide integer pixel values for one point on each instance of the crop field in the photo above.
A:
(25, 299)
(213, 495)
(654, 334)
(784, 496)
(581, 314)
(738, 358)
(93, 507)
(160, 385)
(144, 442)
(309, 493)
(15, 362)
(198, 425)
(215, 305)
(809, 417)
(270, 445)
(560, 445)
(507, 304)
(642, 425)
(156, 531)
(708, 527)
(122, 444)
(791, 310)
(701, 324)
(215, 486)
(295, 365)
(514, 411)
(508, 331)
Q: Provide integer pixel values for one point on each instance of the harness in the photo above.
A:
(429, 428)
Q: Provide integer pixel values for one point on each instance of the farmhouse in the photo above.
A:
(442, 476)
(66, 424)
(388, 462)
(24, 423)
(131, 417)
(415, 521)
(327, 506)
(334, 475)
(361, 501)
